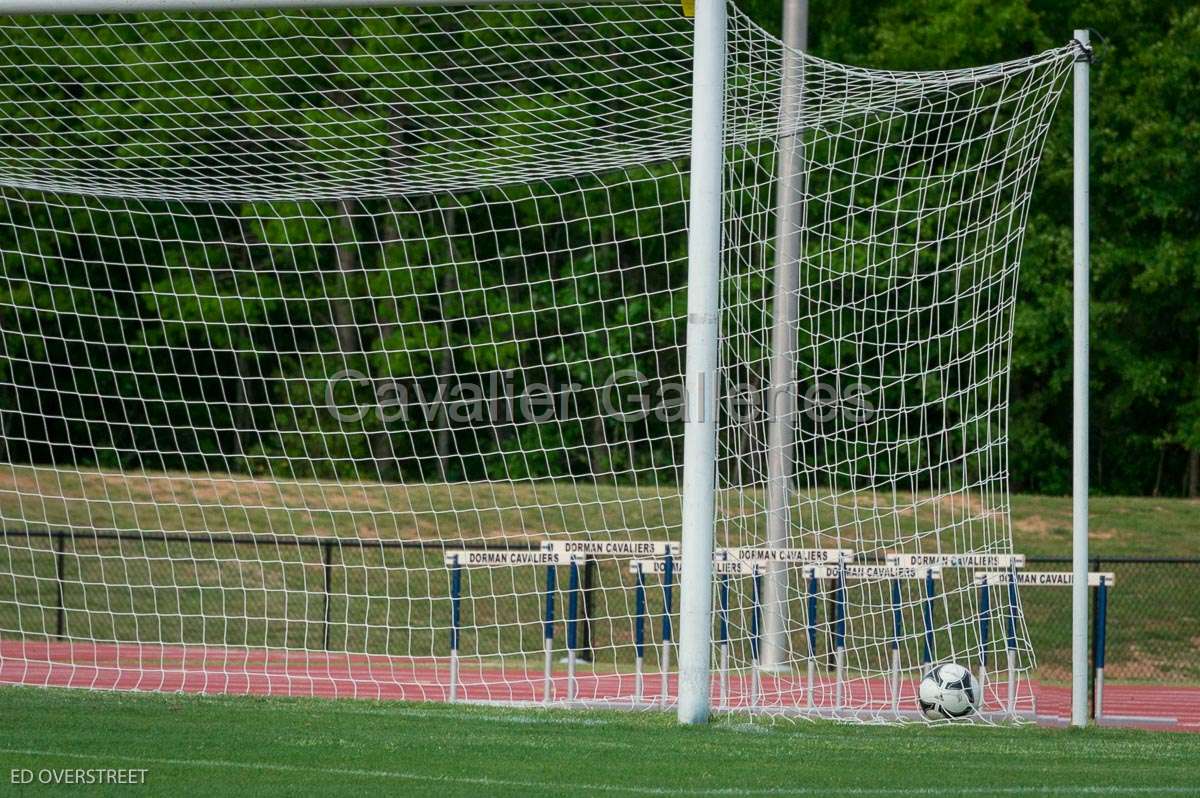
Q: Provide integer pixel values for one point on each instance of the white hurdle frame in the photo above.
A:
(723, 568)
(548, 557)
(666, 569)
(763, 561)
(894, 574)
(1095, 579)
(1001, 563)
(596, 549)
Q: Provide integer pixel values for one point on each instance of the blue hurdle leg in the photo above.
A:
(572, 628)
(548, 637)
(668, 591)
(839, 636)
(639, 634)
(1099, 637)
(927, 618)
(455, 624)
(755, 625)
(985, 617)
(897, 633)
(1011, 641)
(812, 637)
(723, 680)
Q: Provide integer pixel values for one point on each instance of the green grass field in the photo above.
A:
(252, 746)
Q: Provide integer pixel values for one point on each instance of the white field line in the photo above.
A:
(633, 789)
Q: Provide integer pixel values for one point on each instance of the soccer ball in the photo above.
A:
(948, 691)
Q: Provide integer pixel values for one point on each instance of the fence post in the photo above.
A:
(59, 555)
(1095, 566)
(1098, 649)
(587, 652)
(830, 633)
(328, 561)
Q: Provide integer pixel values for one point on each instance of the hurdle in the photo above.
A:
(639, 637)
(601, 549)
(758, 557)
(1010, 636)
(548, 637)
(928, 645)
(1011, 644)
(664, 659)
(1102, 582)
(810, 632)
(973, 560)
(839, 637)
(458, 559)
(723, 641)
(985, 627)
(1099, 633)
(572, 628)
(893, 574)
(665, 569)
(723, 568)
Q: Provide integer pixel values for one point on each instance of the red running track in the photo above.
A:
(215, 670)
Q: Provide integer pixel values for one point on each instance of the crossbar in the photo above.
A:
(16, 8)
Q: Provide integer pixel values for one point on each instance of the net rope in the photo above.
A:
(293, 304)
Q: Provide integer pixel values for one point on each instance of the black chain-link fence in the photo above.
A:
(1153, 629)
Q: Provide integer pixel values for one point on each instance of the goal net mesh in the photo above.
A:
(294, 305)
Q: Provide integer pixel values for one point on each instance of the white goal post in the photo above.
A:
(360, 199)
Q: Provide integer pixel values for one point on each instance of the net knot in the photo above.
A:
(1086, 52)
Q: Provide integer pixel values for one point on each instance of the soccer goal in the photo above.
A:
(473, 352)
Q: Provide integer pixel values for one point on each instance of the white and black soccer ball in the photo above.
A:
(947, 692)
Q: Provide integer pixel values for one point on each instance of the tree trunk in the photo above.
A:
(343, 310)
(1158, 475)
(1193, 486)
(443, 439)
(243, 414)
(598, 454)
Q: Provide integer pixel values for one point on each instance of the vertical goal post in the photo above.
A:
(705, 231)
(1081, 288)
(782, 398)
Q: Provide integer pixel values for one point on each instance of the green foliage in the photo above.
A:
(225, 395)
(1145, 211)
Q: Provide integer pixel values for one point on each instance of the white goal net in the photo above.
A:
(324, 334)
